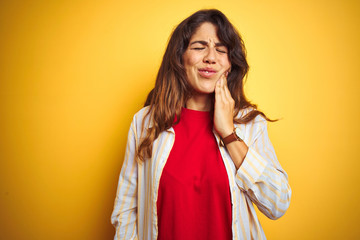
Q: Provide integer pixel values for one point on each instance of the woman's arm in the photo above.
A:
(124, 216)
(259, 173)
(262, 178)
(237, 151)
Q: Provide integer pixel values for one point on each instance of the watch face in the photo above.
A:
(238, 133)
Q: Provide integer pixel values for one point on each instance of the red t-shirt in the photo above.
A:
(194, 199)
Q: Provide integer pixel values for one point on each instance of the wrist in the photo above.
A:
(226, 132)
(235, 135)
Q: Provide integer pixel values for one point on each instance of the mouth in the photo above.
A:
(207, 72)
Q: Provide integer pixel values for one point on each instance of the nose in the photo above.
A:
(210, 57)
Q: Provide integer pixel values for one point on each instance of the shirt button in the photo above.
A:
(235, 221)
(234, 188)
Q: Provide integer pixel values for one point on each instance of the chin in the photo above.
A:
(205, 91)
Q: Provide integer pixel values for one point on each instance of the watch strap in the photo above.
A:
(231, 138)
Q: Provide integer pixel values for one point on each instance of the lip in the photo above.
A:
(207, 72)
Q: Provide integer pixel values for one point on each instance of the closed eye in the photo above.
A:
(198, 48)
(221, 51)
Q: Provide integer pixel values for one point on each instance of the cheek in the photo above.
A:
(190, 60)
(226, 63)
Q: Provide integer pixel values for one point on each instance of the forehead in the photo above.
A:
(206, 32)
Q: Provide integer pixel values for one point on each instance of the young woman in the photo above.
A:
(198, 154)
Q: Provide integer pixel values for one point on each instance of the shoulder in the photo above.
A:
(141, 115)
(259, 119)
(141, 118)
(253, 128)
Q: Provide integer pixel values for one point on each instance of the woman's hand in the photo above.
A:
(223, 108)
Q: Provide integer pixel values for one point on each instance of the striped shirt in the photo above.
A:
(259, 180)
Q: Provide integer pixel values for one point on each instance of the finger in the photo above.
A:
(228, 98)
(227, 91)
(219, 92)
(222, 89)
(217, 86)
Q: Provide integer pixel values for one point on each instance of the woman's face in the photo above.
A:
(205, 59)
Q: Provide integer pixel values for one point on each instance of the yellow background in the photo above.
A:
(73, 73)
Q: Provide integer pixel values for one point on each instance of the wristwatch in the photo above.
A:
(236, 135)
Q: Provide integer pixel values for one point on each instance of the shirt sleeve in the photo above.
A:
(124, 216)
(262, 177)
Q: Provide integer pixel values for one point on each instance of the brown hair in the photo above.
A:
(172, 89)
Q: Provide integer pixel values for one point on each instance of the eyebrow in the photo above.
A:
(205, 43)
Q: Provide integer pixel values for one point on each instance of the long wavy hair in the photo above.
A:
(172, 89)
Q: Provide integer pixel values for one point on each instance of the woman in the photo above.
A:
(198, 154)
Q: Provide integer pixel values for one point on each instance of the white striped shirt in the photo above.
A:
(259, 180)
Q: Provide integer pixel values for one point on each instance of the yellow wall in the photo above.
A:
(72, 74)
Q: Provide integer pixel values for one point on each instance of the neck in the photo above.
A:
(200, 102)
